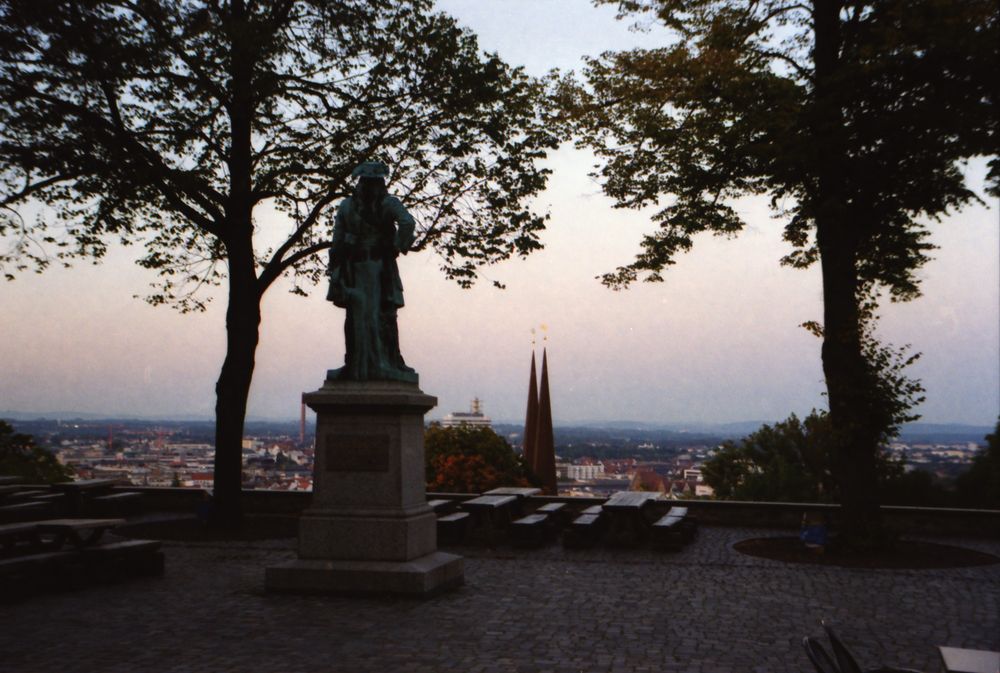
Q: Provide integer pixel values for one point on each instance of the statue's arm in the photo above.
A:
(405, 224)
(337, 251)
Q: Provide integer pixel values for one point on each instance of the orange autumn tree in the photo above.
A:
(469, 459)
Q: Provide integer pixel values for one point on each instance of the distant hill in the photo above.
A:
(944, 433)
(66, 416)
(938, 433)
(941, 433)
(735, 429)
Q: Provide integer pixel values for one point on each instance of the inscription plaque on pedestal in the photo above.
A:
(357, 453)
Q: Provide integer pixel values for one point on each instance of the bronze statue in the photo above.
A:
(371, 229)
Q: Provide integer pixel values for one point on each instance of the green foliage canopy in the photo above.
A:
(790, 461)
(163, 123)
(21, 456)
(732, 108)
(979, 486)
(471, 459)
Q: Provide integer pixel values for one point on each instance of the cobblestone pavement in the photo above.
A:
(706, 609)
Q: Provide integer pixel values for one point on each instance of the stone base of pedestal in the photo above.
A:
(374, 535)
(420, 577)
(369, 529)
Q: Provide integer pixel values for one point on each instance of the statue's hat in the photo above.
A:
(371, 169)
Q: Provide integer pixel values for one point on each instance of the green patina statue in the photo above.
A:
(371, 229)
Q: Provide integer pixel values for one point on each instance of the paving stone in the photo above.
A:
(705, 609)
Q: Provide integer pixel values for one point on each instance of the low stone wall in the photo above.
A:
(157, 499)
(910, 520)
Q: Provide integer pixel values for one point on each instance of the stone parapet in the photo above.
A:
(982, 523)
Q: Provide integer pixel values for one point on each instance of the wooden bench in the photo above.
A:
(23, 495)
(585, 530)
(58, 503)
(666, 533)
(556, 512)
(689, 524)
(530, 531)
(19, 538)
(20, 576)
(24, 511)
(452, 528)
(112, 561)
(673, 530)
(18, 565)
(10, 489)
(114, 504)
(441, 506)
(49, 497)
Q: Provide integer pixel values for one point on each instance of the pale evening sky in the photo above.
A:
(717, 342)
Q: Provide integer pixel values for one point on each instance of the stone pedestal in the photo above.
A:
(369, 529)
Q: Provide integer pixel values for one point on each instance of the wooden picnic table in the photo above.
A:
(12, 533)
(959, 660)
(76, 490)
(23, 511)
(489, 503)
(628, 525)
(36, 554)
(491, 512)
(630, 500)
(517, 509)
(78, 532)
(514, 490)
(81, 485)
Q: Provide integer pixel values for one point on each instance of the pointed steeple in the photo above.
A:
(531, 418)
(545, 449)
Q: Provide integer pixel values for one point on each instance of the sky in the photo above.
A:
(719, 341)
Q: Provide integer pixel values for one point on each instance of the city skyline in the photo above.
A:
(718, 341)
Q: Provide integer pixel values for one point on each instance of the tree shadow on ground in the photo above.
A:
(191, 529)
(904, 554)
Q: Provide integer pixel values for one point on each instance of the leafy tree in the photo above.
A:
(791, 461)
(786, 462)
(470, 459)
(979, 486)
(918, 488)
(183, 126)
(21, 456)
(854, 117)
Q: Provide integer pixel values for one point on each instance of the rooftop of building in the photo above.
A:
(705, 609)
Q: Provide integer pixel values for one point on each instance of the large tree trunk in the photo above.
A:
(233, 386)
(243, 313)
(856, 432)
(849, 387)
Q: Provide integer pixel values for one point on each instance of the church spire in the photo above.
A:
(531, 418)
(545, 451)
